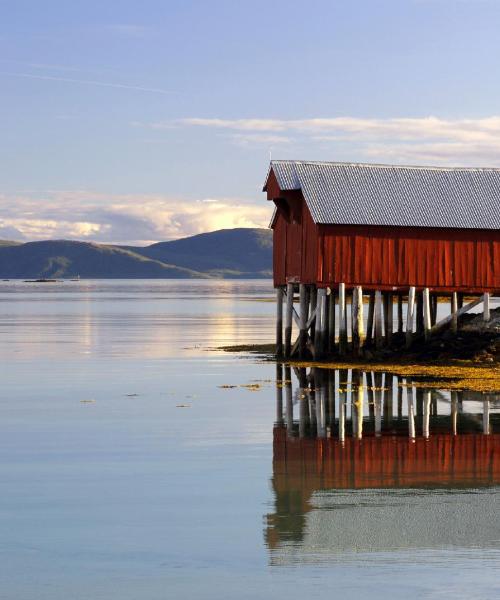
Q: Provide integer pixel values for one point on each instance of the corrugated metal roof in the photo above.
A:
(365, 194)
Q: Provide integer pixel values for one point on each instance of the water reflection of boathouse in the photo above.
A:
(366, 432)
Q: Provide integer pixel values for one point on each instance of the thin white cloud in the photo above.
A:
(423, 138)
(87, 82)
(121, 219)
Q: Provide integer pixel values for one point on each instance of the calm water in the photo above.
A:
(132, 468)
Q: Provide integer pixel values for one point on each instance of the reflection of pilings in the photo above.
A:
(279, 394)
(343, 385)
(370, 383)
(410, 396)
(454, 412)
(378, 399)
(388, 399)
(303, 403)
(486, 417)
(427, 413)
(289, 400)
(357, 404)
(331, 398)
(400, 397)
(320, 393)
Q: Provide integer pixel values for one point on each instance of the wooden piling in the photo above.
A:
(377, 320)
(303, 321)
(454, 308)
(279, 321)
(331, 323)
(427, 314)
(357, 320)
(400, 313)
(388, 317)
(420, 312)
(486, 307)
(410, 316)
(313, 302)
(319, 348)
(369, 322)
(289, 319)
(342, 321)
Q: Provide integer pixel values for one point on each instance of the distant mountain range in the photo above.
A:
(227, 253)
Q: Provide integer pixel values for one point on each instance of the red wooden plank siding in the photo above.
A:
(378, 257)
(385, 257)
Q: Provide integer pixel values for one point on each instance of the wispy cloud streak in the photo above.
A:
(87, 82)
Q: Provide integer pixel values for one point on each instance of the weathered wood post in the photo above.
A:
(377, 320)
(434, 308)
(369, 322)
(331, 323)
(342, 321)
(303, 321)
(486, 307)
(357, 319)
(388, 316)
(420, 312)
(319, 342)
(313, 302)
(454, 308)
(427, 314)
(279, 321)
(289, 319)
(400, 313)
(410, 316)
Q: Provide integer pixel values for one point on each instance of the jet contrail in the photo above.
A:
(88, 82)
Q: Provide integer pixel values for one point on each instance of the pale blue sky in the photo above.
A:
(137, 121)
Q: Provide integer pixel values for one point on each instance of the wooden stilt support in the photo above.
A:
(279, 321)
(420, 312)
(377, 320)
(319, 342)
(342, 321)
(427, 314)
(313, 302)
(369, 323)
(400, 313)
(289, 319)
(410, 316)
(434, 307)
(486, 307)
(454, 309)
(357, 319)
(331, 323)
(303, 321)
(388, 317)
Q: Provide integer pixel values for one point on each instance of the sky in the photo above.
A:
(134, 122)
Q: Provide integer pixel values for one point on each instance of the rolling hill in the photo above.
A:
(230, 253)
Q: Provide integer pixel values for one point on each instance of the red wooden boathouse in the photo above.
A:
(411, 232)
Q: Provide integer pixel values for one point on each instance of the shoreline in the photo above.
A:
(451, 373)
